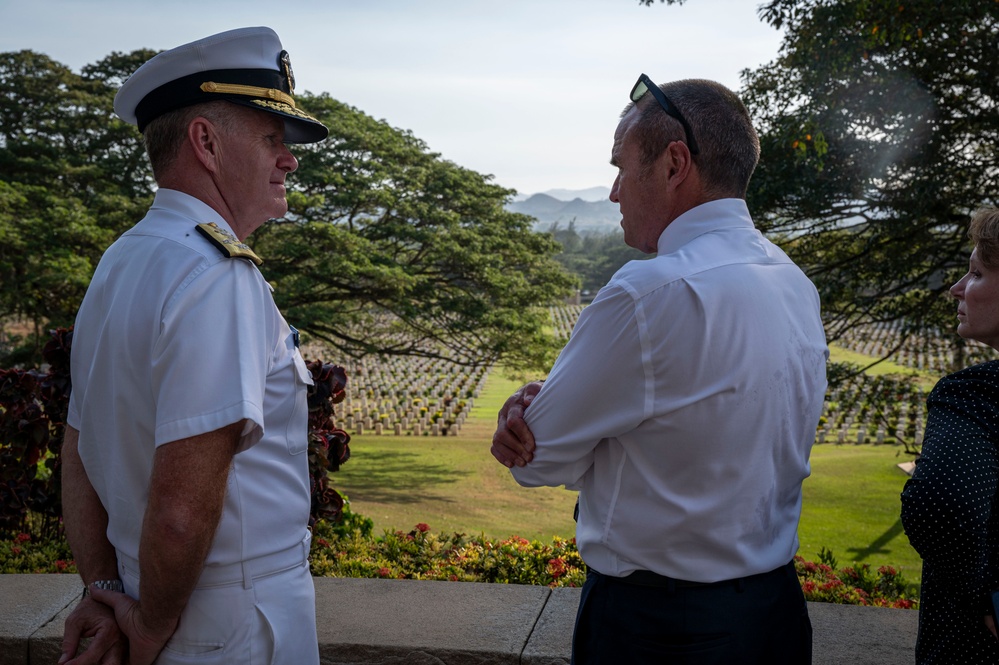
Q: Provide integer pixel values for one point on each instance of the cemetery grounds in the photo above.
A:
(421, 430)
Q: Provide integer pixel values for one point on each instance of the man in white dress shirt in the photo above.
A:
(185, 472)
(684, 406)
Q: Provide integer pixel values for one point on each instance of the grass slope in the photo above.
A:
(452, 483)
(924, 378)
(850, 506)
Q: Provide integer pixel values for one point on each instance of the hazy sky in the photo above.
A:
(526, 90)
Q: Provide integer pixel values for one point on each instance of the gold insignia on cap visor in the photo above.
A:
(248, 90)
(277, 106)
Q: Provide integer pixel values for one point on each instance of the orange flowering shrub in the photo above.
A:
(423, 555)
(349, 549)
(855, 585)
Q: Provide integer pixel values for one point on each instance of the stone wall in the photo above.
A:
(410, 622)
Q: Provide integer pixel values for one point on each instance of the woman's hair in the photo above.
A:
(984, 233)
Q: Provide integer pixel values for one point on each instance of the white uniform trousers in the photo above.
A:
(262, 617)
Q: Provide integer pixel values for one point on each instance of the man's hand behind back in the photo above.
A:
(93, 619)
(144, 643)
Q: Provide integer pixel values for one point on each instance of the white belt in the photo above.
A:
(244, 572)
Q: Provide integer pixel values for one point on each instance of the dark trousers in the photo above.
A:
(646, 618)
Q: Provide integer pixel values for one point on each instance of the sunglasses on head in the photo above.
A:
(645, 85)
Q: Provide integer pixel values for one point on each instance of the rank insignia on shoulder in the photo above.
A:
(227, 243)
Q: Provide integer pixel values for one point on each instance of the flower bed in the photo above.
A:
(423, 555)
(853, 585)
(350, 550)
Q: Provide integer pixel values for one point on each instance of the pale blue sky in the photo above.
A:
(526, 90)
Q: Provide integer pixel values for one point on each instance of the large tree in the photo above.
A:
(879, 128)
(879, 132)
(72, 176)
(387, 248)
(390, 249)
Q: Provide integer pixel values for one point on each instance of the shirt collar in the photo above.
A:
(707, 217)
(189, 206)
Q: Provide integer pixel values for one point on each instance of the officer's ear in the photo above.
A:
(204, 138)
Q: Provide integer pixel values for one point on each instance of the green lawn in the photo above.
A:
(851, 507)
(851, 503)
(925, 379)
(451, 483)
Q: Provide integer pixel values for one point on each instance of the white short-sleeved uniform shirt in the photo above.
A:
(174, 339)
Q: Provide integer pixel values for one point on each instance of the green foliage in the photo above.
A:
(593, 257)
(423, 555)
(390, 249)
(878, 137)
(48, 248)
(827, 557)
(387, 248)
(22, 553)
(72, 176)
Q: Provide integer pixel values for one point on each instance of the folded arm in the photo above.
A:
(513, 442)
(598, 389)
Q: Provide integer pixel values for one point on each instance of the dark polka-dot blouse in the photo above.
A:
(947, 512)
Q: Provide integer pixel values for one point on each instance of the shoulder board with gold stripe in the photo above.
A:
(227, 243)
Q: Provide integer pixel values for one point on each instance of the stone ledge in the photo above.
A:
(397, 622)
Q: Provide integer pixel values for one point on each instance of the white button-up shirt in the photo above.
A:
(685, 405)
(174, 340)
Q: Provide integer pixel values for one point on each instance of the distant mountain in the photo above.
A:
(588, 194)
(541, 206)
(595, 215)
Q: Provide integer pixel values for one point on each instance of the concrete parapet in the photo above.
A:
(28, 605)
(397, 622)
(862, 635)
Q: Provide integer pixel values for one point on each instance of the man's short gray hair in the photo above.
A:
(164, 136)
(728, 144)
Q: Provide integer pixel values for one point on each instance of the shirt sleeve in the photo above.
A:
(599, 388)
(947, 504)
(211, 359)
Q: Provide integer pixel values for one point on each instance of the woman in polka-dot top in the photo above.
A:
(948, 506)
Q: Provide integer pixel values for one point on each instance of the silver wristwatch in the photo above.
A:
(107, 585)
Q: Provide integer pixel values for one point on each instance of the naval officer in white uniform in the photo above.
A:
(185, 472)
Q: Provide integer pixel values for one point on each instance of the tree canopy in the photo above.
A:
(593, 257)
(390, 248)
(387, 248)
(878, 128)
(72, 176)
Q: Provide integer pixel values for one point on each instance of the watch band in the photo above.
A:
(107, 585)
